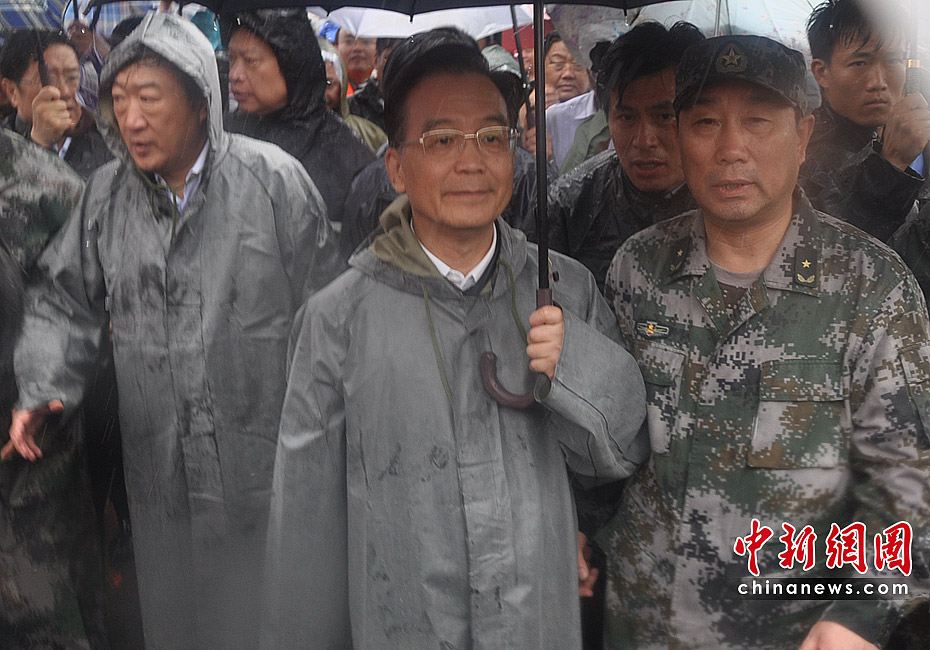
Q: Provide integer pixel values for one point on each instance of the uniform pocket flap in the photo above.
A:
(660, 364)
(916, 363)
(794, 380)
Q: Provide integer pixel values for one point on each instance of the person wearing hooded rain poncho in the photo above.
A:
(277, 75)
(197, 246)
(410, 509)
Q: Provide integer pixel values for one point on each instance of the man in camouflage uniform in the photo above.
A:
(787, 365)
(50, 559)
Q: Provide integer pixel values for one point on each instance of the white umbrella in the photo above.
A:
(477, 22)
(782, 20)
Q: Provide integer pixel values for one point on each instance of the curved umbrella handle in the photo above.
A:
(488, 367)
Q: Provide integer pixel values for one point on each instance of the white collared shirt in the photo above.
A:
(463, 281)
(192, 182)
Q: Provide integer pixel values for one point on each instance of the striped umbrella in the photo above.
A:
(31, 13)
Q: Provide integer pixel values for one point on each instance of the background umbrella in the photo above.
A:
(31, 13)
(477, 22)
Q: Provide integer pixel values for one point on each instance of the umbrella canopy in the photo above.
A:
(477, 22)
(31, 13)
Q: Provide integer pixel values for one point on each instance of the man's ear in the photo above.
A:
(821, 71)
(395, 170)
(805, 130)
(11, 91)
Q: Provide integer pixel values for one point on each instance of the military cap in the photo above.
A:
(754, 59)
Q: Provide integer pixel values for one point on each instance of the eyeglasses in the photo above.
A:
(443, 143)
(558, 64)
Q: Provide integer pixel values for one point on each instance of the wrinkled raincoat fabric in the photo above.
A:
(200, 323)
(595, 208)
(807, 404)
(412, 511)
(328, 148)
(846, 177)
(372, 192)
(87, 150)
(51, 568)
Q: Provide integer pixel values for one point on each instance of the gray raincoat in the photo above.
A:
(200, 319)
(410, 510)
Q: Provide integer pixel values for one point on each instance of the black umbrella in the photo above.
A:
(411, 7)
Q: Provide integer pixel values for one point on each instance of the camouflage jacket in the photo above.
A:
(808, 404)
(846, 177)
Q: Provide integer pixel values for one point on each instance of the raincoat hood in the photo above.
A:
(178, 41)
(291, 37)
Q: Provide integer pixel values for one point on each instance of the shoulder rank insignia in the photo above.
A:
(805, 267)
(651, 329)
(678, 253)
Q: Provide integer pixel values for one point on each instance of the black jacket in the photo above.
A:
(87, 150)
(326, 146)
(845, 176)
(367, 102)
(371, 192)
(594, 209)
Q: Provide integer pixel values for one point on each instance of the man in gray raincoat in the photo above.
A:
(411, 510)
(198, 246)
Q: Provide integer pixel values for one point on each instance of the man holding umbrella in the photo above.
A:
(410, 509)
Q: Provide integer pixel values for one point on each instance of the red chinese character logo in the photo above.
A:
(846, 546)
(752, 544)
(893, 548)
(799, 548)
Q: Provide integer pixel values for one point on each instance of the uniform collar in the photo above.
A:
(795, 266)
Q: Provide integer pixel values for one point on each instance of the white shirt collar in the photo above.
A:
(192, 182)
(463, 281)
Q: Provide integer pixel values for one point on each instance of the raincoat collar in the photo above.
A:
(396, 258)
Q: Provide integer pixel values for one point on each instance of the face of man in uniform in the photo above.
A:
(741, 149)
(862, 81)
(461, 190)
(163, 132)
(644, 131)
(255, 79)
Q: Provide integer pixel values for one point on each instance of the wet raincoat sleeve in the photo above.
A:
(52, 362)
(598, 396)
(305, 602)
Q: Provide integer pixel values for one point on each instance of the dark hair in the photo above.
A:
(843, 22)
(552, 38)
(438, 51)
(147, 56)
(647, 49)
(22, 48)
(124, 28)
(383, 44)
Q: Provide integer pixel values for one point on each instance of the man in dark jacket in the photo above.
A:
(594, 208)
(47, 111)
(367, 101)
(278, 77)
(867, 161)
(198, 246)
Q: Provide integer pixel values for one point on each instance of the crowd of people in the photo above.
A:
(269, 308)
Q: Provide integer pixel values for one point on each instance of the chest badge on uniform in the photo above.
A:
(651, 329)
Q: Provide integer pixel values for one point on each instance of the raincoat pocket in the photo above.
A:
(661, 367)
(803, 414)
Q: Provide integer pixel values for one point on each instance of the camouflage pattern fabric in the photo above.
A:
(807, 404)
(50, 560)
